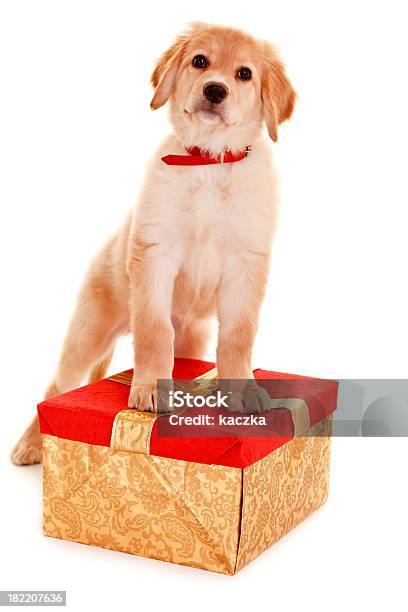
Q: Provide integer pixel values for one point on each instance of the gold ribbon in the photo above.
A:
(132, 429)
(298, 410)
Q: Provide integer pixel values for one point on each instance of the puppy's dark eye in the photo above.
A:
(200, 61)
(244, 74)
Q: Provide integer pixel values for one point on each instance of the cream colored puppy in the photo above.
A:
(197, 244)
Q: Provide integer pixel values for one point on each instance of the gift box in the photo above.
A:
(112, 480)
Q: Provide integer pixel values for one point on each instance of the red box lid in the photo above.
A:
(87, 415)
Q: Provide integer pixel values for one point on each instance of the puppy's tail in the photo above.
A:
(99, 369)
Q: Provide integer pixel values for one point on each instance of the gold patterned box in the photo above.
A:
(111, 480)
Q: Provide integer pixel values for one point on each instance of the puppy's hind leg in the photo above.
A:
(98, 319)
(191, 340)
(99, 370)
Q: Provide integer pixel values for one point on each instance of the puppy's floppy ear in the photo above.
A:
(278, 95)
(164, 74)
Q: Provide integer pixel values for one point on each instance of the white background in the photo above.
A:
(75, 134)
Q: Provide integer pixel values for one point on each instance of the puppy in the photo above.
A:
(198, 243)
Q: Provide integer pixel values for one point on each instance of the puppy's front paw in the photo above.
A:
(143, 397)
(256, 399)
(250, 399)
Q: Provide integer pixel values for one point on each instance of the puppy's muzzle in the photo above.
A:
(215, 92)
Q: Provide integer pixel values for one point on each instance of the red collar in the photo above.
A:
(199, 158)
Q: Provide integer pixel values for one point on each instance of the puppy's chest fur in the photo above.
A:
(206, 219)
(202, 219)
(202, 224)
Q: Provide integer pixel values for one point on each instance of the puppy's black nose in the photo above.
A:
(215, 92)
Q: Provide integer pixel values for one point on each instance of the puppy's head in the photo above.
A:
(222, 84)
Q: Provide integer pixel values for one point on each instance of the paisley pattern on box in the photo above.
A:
(282, 489)
(207, 516)
(167, 509)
